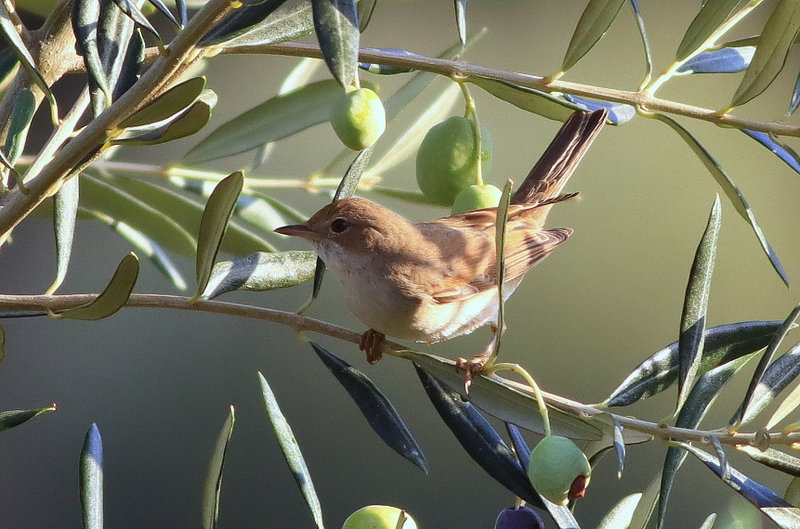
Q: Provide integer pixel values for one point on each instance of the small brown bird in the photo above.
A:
(436, 280)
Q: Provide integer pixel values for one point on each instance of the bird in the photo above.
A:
(437, 280)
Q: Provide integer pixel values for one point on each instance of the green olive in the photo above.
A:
(447, 162)
(378, 517)
(558, 469)
(476, 197)
(358, 118)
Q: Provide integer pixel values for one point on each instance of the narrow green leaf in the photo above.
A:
(246, 18)
(144, 245)
(500, 259)
(695, 304)
(594, 22)
(273, 120)
(619, 446)
(527, 99)
(777, 377)
(131, 64)
(91, 479)
(85, 17)
(379, 412)
(107, 197)
(119, 45)
(773, 458)
(291, 451)
(744, 412)
(349, 184)
(133, 11)
(777, 37)
(26, 59)
(510, 405)
(12, 418)
(184, 123)
(788, 405)
(365, 8)
(292, 23)
(646, 506)
(478, 438)
(114, 296)
(461, 20)
(167, 104)
(162, 7)
(336, 24)
(648, 55)
(765, 499)
(621, 514)
(213, 484)
(261, 271)
(213, 225)
(21, 117)
(711, 16)
(722, 344)
(709, 521)
(521, 448)
(65, 213)
(702, 396)
(731, 191)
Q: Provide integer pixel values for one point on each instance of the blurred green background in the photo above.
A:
(158, 383)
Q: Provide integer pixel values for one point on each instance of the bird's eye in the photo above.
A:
(339, 225)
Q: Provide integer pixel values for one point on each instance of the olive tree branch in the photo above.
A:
(301, 323)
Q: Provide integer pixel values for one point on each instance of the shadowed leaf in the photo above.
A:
(133, 11)
(365, 8)
(291, 450)
(91, 479)
(722, 344)
(726, 60)
(85, 17)
(383, 69)
(695, 304)
(65, 213)
(731, 191)
(527, 99)
(162, 7)
(185, 123)
(478, 438)
(763, 388)
(291, 23)
(21, 117)
(702, 396)
(114, 296)
(12, 418)
(594, 22)
(336, 25)
(766, 500)
(213, 483)
(273, 120)
(621, 514)
(788, 361)
(376, 408)
(647, 504)
(261, 271)
(521, 448)
(781, 150)
(711, 16)
(247, 18)
(776, 38)
(214, 224)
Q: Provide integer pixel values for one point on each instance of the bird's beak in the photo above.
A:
(297, 230)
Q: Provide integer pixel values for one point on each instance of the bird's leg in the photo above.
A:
(476, 364)
(371, 342)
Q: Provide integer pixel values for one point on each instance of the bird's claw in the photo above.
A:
(372, 342)
(471, 367)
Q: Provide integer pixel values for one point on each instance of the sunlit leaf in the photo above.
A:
(594, 22)
(731, 190)
(767, 501)
(91, 479)
(12, 418)
(527, 99)
(291, 451)
(213, 483)
(185, 123)
(726, 60)
(646, 506)
(773, 458)
(621, 514)
(792, 400)
(711, 16)
(376, 408)
(478, 438)
(214, 224)
(261, 271)
(758, 395)
(273, 120)
(114, 296)
(695, 304)
(336, 25)
(167, 104)
(65, 213)
(722, 344)
(776, 38)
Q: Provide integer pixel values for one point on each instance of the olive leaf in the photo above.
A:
(213, 483)
(113, 298)
(261, 271)
(593, 24)
(91, 479)
(336, 25)
(711, 16)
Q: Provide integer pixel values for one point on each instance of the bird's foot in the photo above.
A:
(471, 367)
(371, 342)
